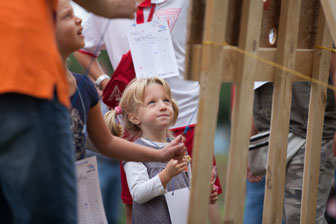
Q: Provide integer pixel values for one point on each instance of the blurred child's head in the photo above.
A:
(147, 104)
(68, 29)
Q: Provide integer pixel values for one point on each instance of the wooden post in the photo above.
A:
(282, 97)
(317, 103)
(211, 66)
(242, 112)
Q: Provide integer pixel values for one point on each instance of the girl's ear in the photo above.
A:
(133, 118)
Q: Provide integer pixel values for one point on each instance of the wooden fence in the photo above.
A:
(228, 41)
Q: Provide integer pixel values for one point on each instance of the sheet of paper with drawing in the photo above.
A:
(152, 50)
(90, 203)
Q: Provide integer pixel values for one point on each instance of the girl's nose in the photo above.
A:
(163, 106)
(78, 20)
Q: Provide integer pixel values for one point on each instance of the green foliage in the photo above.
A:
(224, 104)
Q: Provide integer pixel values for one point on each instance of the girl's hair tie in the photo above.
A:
(118, 110)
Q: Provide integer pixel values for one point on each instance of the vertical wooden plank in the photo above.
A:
(318, 96)
(214, 32)
(195, 66)
(242, 112)
(329, 8)
(308, 24)
(282, 97)
(194, 36)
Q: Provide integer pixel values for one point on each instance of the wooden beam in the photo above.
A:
(265, 72)
(303, 63)
(282, 97)
(317, 103)
(214, 31)
(242, 111)
(329, 8)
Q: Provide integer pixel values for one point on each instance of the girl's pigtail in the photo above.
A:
(112, 123)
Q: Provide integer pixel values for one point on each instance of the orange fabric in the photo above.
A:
(29, 61)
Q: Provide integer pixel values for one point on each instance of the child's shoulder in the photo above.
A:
(84, 81)
(82, 78)
(86, 86)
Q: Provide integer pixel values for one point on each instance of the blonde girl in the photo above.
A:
(148, 110)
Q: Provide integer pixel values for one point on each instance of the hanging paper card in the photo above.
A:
(152, 50)
(90, 203)
(178, 205)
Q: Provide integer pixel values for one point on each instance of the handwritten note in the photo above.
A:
(152, 50)
(90, 203)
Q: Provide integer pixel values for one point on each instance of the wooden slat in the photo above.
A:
(329, 8)
(194, 34)
(303, 63)
(195, 66)
(282, 97)
(318, 95)
(214, 31)
(242, 112)
(265, 72)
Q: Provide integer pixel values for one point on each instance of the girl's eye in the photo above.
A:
(166, 100)
(151, 102)
(68, 15)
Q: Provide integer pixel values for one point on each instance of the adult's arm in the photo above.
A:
(95, 69)
(250, 176)
(122, 149)
(110, 8)
(254, 131)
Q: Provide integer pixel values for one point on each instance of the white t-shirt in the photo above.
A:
(115, 41)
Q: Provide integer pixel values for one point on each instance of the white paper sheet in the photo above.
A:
(90, 203)
(152, 50)
(178, 205)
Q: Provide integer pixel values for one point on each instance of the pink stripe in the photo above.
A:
(88, 53)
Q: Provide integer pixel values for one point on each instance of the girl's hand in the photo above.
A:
(172, 169)
(214, 194)
(175, 167)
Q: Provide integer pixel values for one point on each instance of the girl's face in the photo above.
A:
(156, 113)
(68, 29)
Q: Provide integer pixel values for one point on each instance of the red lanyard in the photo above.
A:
(140, 14)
